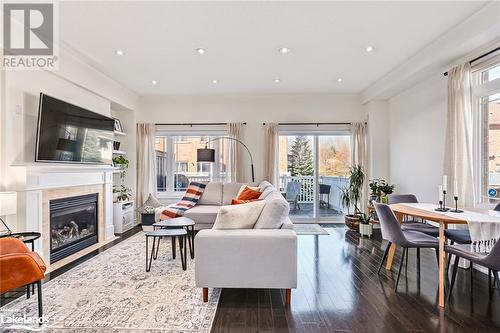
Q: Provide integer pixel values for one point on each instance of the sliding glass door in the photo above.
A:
(312, 169)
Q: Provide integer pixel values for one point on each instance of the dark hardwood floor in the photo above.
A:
(339, 291)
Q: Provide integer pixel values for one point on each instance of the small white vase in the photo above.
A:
(366, 229)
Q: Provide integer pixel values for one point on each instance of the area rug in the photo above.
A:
(112, 292)
(309, 229)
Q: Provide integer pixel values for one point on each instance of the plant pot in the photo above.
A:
(383, 199)
(366, 229)
(352, 221)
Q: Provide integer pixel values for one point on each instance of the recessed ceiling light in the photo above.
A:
(369, 48)
(277, 81)
(154, 82)
(284, 50)
(120, 52)
(339, 79)
(200, 51)
(214, 81)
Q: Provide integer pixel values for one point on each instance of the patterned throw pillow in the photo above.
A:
(149, 205)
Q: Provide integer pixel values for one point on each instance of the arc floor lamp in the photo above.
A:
(208, 154)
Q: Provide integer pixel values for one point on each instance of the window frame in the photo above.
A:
(481, 91)
(171, 132)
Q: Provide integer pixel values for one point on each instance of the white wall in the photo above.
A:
(253, 109)
(75, 82)
(378, 139)
(417, 120)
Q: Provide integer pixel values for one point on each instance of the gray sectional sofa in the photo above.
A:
(263, 257)
(217, 194)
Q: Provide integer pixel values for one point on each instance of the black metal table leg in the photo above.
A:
(173, 247)
(28, 291)
(157, 248)
(190, 236)
(183, 251)
(40, 305)
(147, 253)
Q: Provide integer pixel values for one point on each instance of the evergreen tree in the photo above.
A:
(300, 159)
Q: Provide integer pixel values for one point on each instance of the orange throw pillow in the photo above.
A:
(239, 202)
(248, 194)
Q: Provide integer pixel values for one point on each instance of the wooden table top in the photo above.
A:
(427, 215)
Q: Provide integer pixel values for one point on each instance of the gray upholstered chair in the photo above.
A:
(394, 234)
(497, 207)
(490, 261)
(292, 193)
(414, 225)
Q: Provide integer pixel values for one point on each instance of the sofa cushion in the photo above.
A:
(264, 185)
(212, 194)
(274, 213)
(203, 213)
(267, 191)
(239, 216)
(230, 191)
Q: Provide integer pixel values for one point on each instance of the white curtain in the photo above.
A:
(458, 158)
(271, 162)
(359, 155)
(234, 160)
(146, 156)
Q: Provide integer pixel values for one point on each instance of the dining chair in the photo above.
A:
(489, 260)
(394, 234)
(415, 225)
(497, 207)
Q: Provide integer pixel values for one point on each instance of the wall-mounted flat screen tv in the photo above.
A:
(70, 134)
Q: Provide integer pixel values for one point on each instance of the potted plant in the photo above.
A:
(375, 189)
(386, 189)
(123, 193)
(365, 226)
(351, 196)
(122, 163)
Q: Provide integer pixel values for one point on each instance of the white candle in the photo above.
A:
(440, 192)
(455, 188)
(445, 182)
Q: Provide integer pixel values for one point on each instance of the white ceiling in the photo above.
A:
(327, 41)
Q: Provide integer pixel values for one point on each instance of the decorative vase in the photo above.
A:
(366, 229)
(352, 221)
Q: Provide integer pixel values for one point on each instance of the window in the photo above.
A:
(176, 164)
(488, 129)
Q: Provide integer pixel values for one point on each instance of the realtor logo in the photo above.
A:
(28, 36)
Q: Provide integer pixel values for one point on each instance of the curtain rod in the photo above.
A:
(479, 57)
(193, 124)
(317, 124)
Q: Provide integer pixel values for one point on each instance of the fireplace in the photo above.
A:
(73, 225)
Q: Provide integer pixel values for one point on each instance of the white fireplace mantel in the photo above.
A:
(41, 177)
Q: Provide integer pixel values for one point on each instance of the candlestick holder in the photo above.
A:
(456, 210)
(442, 204)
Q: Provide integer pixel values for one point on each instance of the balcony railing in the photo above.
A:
(307, 189)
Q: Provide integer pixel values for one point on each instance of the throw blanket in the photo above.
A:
(190, 199)
(484, 228)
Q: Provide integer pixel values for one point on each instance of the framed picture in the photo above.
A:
(118, 125)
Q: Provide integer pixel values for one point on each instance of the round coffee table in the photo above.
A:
(177, 223)
(174, 234)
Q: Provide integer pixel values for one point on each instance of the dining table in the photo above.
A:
(444, 220)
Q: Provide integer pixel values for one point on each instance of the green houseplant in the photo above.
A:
(351, 196)
(124, 193)
(121, 162)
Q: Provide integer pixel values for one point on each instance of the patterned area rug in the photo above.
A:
(112, 292)
(309, 229)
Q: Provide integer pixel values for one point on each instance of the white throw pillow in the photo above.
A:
(241, 216)
(264, 184)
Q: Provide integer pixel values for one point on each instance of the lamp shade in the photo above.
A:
(8, 203)
(205, 155)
